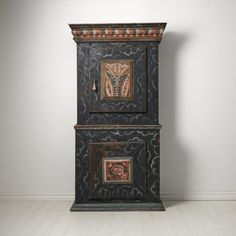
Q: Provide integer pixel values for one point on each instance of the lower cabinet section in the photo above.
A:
(117, 168)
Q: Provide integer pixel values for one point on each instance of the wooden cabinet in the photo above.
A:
(117, 130)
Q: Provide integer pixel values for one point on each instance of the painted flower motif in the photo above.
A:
(108, 31)
(117, 69)
(125, 176)
(124, 163)
(117, 80)
(117, 169)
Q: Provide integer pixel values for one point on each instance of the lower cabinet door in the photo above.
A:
(117, 165)
(117, 170)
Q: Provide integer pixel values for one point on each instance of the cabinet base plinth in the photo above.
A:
(157, 206)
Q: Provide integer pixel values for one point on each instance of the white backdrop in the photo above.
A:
(197, 93)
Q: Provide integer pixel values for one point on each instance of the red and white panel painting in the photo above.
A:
(116, 78)
(117, 170)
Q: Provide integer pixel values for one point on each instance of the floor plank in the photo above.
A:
(35, 218)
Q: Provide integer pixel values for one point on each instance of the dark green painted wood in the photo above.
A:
(119, 207)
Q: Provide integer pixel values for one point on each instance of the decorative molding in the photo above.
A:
(191, 196)
(118, 32)
(112, 127)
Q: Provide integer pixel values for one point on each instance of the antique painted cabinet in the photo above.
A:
(117, 157)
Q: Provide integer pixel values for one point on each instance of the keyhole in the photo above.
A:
(94, 88)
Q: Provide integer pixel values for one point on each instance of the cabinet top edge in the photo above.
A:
(118, 32)
(118, 25)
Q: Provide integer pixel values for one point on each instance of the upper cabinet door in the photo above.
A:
(117, 82)
(118, 77)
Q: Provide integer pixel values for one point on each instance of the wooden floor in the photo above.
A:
(180, 218)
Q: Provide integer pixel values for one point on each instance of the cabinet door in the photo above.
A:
(117, 170)
(117, 77)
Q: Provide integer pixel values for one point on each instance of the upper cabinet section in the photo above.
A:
(117, 71)
(117, 32)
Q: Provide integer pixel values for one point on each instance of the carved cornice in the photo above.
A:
(117, 32)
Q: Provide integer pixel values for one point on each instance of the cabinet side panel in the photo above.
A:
(83, 84)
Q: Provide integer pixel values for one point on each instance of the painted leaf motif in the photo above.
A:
(109, 92)
(125, 88)
(117, 82)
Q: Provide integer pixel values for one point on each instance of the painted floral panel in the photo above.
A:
(117, 170)
(117, 79)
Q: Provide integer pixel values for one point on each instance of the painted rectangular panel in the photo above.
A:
(117, 79)
(117, 170)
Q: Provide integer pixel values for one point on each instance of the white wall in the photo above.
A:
(197, 93)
